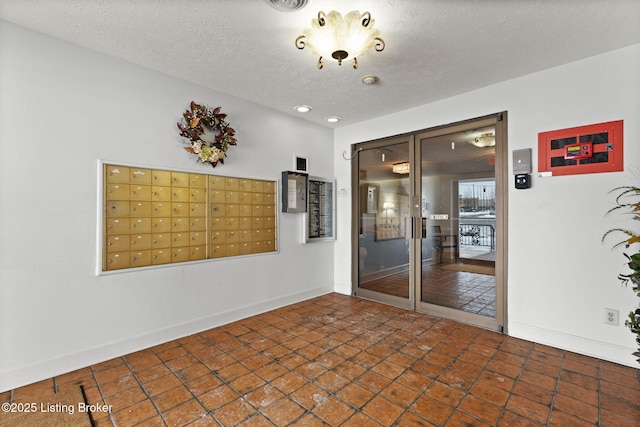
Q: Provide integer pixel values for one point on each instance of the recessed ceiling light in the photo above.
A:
(333, 119)
(302, 108)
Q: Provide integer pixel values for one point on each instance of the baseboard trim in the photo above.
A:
(343, 288)
(589, 347)
(57, 366)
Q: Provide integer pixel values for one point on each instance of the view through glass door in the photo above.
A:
(429, 222)
(383, 246)
(458, 211)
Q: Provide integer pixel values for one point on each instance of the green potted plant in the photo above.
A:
(628, 201)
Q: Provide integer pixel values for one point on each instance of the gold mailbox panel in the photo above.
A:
(154, 217)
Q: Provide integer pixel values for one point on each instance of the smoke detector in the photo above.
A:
(287, 5)
(369, 80)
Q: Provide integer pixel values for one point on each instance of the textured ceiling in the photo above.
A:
(434, 48)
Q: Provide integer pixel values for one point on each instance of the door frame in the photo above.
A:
(499, 120)
(355, 226)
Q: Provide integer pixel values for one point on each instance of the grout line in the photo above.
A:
(599, 372)
(555, 391)
(515, 381)
(93, 374)
(144, 390)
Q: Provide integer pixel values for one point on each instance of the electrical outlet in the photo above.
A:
(611, 316)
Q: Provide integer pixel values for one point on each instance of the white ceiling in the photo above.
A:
(434, 48)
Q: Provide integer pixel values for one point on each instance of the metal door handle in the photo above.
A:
(409, 228)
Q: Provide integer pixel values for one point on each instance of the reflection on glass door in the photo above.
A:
(383, 249)
(427, 221)
(458, 247)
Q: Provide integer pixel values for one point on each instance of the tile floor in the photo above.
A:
(337, 360)
(462, 290)
(469, 292)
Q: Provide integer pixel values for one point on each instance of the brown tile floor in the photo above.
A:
(342, 361)
(462, 290)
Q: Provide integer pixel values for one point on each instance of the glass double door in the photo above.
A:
(428, 221)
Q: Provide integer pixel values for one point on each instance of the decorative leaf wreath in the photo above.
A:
(208, 133)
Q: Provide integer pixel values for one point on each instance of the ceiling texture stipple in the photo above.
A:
(434, 49)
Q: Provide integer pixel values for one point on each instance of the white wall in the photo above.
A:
(561, 276)
(62, 108)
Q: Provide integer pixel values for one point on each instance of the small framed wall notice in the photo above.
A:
(294, 192)
(319, 221)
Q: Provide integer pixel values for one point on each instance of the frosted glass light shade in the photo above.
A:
(484, 140)
(401, 168)
(341, 38)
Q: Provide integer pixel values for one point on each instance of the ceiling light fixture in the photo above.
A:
(333, 119)
(302, 108)
(334, 37)
(484, 140)
(401, 168)
(287, 5)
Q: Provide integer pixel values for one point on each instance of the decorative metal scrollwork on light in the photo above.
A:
(341, 38)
